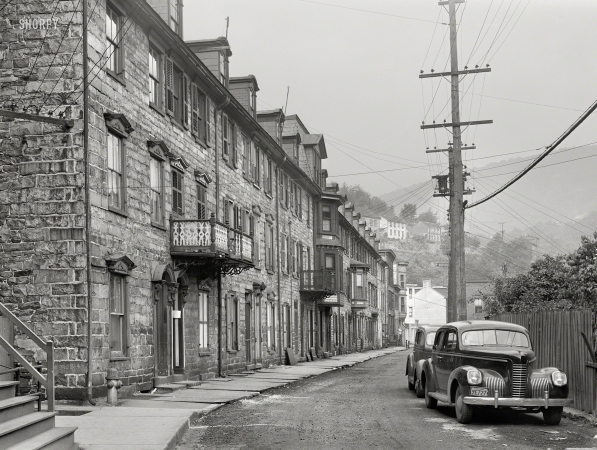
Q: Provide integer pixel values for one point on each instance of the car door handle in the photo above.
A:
(440, 357)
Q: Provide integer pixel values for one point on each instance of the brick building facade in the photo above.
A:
(169, 230)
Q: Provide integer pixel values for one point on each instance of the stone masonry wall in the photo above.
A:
(42, 259)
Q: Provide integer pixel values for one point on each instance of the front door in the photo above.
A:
(163, 333)
(178, 333)
(258, 329)
(248, 316)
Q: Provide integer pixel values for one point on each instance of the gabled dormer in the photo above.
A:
(171, 12)
(245, 90)
(215, 54)
(272, 121)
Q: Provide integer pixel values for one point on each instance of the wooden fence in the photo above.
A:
(557, 341)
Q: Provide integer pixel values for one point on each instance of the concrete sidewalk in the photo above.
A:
(158, 421)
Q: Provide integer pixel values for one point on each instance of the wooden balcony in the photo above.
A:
(209, 240)
(321, 284)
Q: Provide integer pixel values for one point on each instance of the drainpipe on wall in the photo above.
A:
(279, 266)
(216, 110)
(87, 207)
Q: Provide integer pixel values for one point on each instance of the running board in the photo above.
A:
(441, 397)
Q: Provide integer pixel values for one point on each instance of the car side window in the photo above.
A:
(451, 341)
(438, 339)
(420, 338)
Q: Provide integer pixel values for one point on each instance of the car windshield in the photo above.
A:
(495, 338)
(430, 338)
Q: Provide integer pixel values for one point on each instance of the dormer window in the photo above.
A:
(175, 14)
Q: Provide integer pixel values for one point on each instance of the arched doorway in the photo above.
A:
(165, 292)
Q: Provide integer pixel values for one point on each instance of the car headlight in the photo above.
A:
(559, 378)
(474, 377)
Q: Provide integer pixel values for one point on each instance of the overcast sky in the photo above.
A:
(353, 67)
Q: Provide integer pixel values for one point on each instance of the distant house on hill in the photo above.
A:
(474, 298)
(431, 232)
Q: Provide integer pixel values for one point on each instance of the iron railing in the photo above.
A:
(35, 371)
(208, 235)
(320, 280)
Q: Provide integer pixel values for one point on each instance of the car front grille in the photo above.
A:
(519, 380)
(494, 383)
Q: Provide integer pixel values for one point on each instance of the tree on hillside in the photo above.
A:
(365, 203)
(428, 217)
(560, 282)
(408, 213)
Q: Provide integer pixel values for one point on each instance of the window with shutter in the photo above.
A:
(201, 202)
(291, 199)
(283, 257)
(281, 192)
(177, 192)
(225, 138)
(194, 110)
(169, 84)
(233, 149)
(187, 102)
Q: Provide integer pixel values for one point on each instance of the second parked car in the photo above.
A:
(424, 337)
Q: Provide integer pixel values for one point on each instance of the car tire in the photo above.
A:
(553, 415)
(419, 388)
(464, 412)
(411, 386)
(430, 402)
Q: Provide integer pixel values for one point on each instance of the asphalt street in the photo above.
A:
(369, 406)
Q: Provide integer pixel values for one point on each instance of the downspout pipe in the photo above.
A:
(217, 109)
(87, 207)
(279, 262)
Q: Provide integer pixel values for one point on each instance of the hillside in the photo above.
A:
(554, 202)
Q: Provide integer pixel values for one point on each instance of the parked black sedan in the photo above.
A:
(491, 364)
(424, 337)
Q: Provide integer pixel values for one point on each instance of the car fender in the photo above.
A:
(419, 368)
(429, 373)
(491, 379)
(409, 365)
(541, 381)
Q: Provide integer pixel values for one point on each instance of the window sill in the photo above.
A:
(268, 195)
(176, 123)
(256, 186)
(120, 212)
(119, 78)
(201, 142)
(202, 354)
(232, 352)
(270, 271)
(159, 226)
(156, 109)
(119, 358)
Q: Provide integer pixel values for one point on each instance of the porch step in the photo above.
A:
(7, 389)
(11, 408)
(237, 374)
(188, 383)
(248, 372)
(55, 439)
(250, 367)
(258, 366)
(177, 377)
(25, 427)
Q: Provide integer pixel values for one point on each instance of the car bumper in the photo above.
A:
(496, 401)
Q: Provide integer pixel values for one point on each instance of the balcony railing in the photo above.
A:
(319, 280)
(209, 237)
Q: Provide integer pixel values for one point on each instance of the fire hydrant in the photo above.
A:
(114, 383)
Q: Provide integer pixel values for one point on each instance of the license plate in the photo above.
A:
(479, 392)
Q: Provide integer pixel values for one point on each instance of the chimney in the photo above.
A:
(426, 283)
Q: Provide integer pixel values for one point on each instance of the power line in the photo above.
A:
(552, 147)
(371, 12)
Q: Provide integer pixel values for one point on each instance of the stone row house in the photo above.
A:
(169, 230)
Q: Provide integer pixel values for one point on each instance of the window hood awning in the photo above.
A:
(354, 264)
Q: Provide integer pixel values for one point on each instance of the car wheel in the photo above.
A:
(411, 386)
(464, 412)
(553, 415)
(430, 402)
(419, 389)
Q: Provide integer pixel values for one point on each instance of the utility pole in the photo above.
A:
(456, 303)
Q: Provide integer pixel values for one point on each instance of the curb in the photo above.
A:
(575, 414)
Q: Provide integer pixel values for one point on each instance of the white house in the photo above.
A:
(425, 306)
